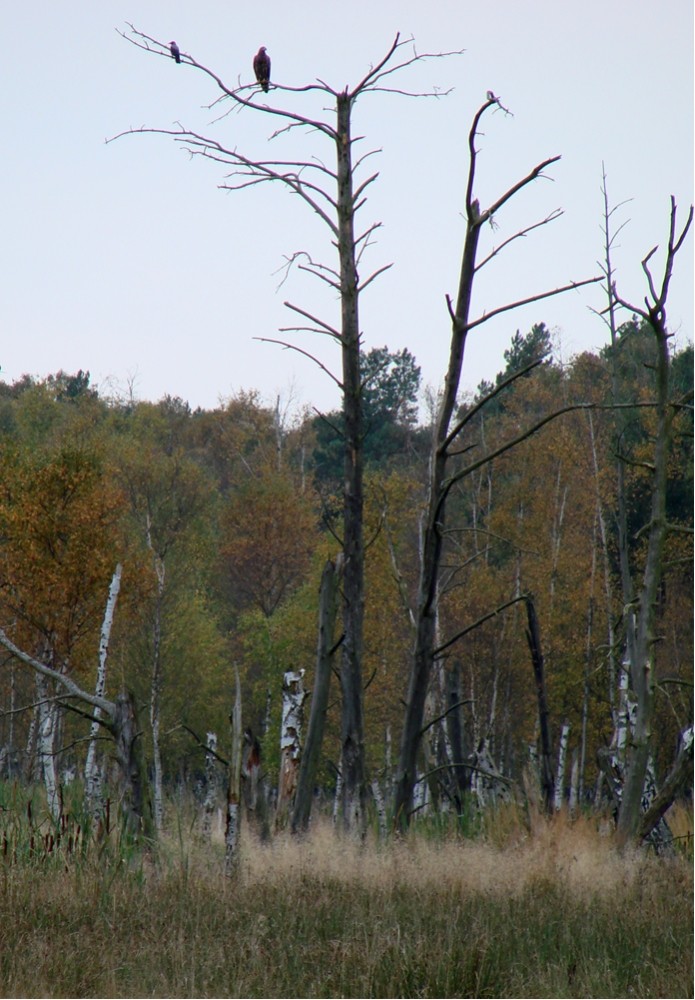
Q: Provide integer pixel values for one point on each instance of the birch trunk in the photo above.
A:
(293, 696)
(46, 746)
(561, 764)
(210, 787)
(93, 767)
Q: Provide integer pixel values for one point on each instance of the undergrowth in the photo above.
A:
(551, 912)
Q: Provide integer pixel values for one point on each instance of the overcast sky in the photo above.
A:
(127, 260)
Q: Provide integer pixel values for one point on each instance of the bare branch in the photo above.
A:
(234, 94)
(458, 427)
(555, 214)
(307, 315)
(375, 274)
(481, 621)
(106, 706)
(533, 298)
(299, 350)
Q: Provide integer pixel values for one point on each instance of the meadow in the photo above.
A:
(548, 911)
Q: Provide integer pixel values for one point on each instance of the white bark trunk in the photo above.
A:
(46, 746)
(561, 764)
(93, 767)
(293, 696)
(380, 808)
(211, 788)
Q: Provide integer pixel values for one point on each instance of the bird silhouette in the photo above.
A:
(261, 67)
(175, 51)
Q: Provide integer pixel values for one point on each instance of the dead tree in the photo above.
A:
(336, 196)
(642, 601)
(234, 812)
(447, 443)
(120, 719)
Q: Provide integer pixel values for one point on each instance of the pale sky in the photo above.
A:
(128, 261)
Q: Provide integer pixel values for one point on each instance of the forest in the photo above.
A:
(412, 678)
(223, 521)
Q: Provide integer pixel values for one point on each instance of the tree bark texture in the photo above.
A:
(293, 696)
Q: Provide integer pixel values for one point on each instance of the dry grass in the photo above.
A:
(557, 913)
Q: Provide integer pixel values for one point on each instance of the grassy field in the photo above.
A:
(554, 913)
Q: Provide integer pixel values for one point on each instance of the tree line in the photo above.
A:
(223, 520)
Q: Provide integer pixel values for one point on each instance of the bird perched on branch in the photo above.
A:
(261, 67)
(175, 51)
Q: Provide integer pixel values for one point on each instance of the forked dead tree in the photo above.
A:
(336, 196)
(641, 600)
(447, 442)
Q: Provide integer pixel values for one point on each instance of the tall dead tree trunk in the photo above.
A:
(642, 654)
(447, 440)
(233, 826)
(336, 197)
(352, 726)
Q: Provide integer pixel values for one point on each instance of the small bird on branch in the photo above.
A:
(175, 51)
(261, 67)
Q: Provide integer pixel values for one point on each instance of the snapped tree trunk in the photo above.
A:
(293, 695)
(233, 828)
(319, 700)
